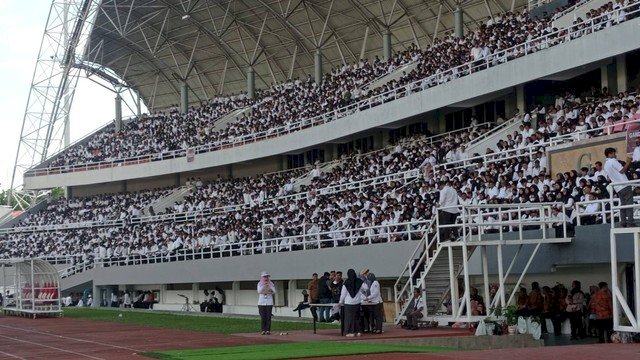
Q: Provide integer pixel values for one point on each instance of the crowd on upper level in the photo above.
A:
(297, 100)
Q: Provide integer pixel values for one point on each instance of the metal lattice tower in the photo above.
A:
(45, 126)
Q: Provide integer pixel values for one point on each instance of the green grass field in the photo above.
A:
(215, 324)
(289, 351)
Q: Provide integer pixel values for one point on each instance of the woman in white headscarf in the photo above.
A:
(266, 290)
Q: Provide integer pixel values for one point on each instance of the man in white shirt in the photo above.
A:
(449, 201)
(617, 174)
(636, 155)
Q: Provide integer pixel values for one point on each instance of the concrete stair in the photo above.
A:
(567, 19)
(394, 75)
(160, 205)
(230, 117)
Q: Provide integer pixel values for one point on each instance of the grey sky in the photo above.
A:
(22, 24)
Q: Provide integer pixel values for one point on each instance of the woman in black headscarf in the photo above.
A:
(351, 296)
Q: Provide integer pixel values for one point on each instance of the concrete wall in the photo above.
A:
(610, 42)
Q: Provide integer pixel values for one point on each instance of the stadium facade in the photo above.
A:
(172, 54)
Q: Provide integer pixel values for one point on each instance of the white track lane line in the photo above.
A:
(71, 338)
(51, 347)
(12, 356)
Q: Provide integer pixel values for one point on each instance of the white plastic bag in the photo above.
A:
(535, 329)
(481, 329)
(522, 325)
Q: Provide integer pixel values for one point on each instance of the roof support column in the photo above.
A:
(118, 113)
(251, 82)
(458, 17)
(184, 95)
(138, 105)
(621, 72)
(318, 66)
(386, 44)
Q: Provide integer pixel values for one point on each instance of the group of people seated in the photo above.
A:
(342, 206)
(299, 100)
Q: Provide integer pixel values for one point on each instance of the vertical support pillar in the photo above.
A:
(520, 100)
(458, 17)
(67, 130)
(291, 294)
(251, 82)
(184, 95)
(96, 296)
(621, 72)
(318, 66)
(138, 105)
(118, 113)
(386, 44)
(235, 288)
(195, 289)
(604, 77)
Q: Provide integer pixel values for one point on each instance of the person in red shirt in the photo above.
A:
(603, 305)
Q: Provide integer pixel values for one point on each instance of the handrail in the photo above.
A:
(305, 241)
(332, 189)
(553, 141)
(614, 202)
(531, 46)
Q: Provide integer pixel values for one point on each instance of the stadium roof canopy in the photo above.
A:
(157, 45)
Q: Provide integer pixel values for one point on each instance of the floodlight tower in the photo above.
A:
(45, 126)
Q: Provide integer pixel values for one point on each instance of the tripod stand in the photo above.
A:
(187, 306)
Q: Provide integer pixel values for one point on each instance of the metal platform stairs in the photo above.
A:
(625, 291)
(440, 264)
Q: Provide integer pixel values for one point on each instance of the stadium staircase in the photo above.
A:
(489, 139)
(437, 266)
(396, 74)
(9, 221)
(306, 179)
(230, 117)
(569, 17)
(5, 214)
(160, 205)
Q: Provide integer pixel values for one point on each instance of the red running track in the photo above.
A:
(65, 338)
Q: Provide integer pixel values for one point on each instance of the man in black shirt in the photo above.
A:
(324, 297)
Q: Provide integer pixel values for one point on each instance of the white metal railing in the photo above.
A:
(409, 277)
(530, 46)
(531, 149)
(306, 241)
(409, 175)
(327, 190)
(615, 204)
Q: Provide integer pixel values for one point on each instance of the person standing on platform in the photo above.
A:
(617, 174)
(266, 290)
(351, 297)
(448, 200)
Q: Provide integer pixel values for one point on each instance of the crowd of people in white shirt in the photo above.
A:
(296, 100)
(270, 208)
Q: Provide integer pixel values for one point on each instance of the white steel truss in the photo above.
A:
(46, 117)
(64, 57)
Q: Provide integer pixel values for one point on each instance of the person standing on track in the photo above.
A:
(266, 290)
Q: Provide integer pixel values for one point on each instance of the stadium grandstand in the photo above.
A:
(457, 148)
